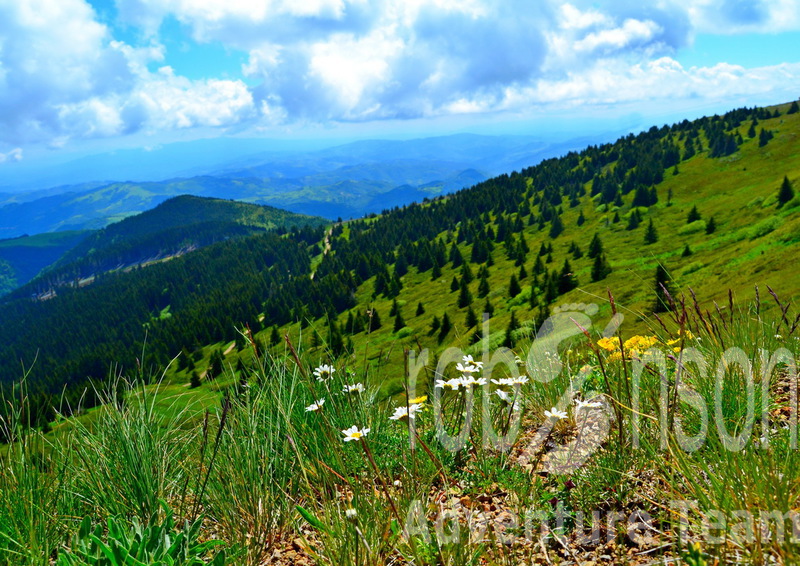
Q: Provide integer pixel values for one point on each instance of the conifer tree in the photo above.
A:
(794, 108)
(513, 287)
(488, 307)
(483, 286)
(687, 251)
(454, 285)
(633, 220)
(711, 226)
(662, 290)
(595, 247)
(508, 341)
(472, 318)
(650, 235)
(455, 256)
(786, 192)
(693, 215)
(556, 226)
(464, 296)
(581, 219)
(399, 323)
(420, 309)
(445, 328)
(600, 268)
(566, 279)
(374, 320)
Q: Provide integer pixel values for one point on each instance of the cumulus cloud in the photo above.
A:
(64, 75)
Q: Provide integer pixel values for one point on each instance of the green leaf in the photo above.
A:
(312, 520)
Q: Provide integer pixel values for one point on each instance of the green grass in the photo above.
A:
(264, 474)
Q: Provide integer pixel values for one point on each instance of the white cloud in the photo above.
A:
(63, 75)
(13, 155)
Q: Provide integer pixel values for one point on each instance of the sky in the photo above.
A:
(82, 76)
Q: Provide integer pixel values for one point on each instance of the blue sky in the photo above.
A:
(79, 76)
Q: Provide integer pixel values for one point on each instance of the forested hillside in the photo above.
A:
(707, 204)
(178, 225)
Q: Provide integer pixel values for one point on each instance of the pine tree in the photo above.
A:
(401, 266)
(650, 235)
(600, 268)
(556, 226)
(435, 324)
(711, 226)
(566, 279)
(693, 215)
(464, 296)
(374, 320)
(393, 309)
(794, 108)
(483, 286)
(508, 341)
(399, 323)
(763, 137)
(523, 273)
(445, 328)
(513, 287)
(488, 308)
(662, 290)
(633, 220)
(454, 285)
(472, 318)
(194, 380)
(455, 256)
(274, 337)
(687, 251)
(751, 133)
(420, 309)
(786, 192)
(581, 219)
(595, 247)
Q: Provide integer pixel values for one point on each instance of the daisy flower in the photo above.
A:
(468, 369)
(404, 412)
(453, 384)
(315, 406)
(555, 414)
(324, 372)
(356, 388)
(579, 404)
(354, 433)
(507, 397)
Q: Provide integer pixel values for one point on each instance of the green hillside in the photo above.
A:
(270, 382)
(21, 259)
(178, 225)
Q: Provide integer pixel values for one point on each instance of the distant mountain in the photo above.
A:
(347, 181)
(21, 259)
(178, 225)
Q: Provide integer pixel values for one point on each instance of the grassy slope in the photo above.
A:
(739, 191)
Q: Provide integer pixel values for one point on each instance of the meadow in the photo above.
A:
(679, 444)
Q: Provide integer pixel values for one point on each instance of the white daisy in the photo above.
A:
(356, 388)
(315, 406)
(555, 414)
(354, 433)
(324, 372)
(404, 412)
